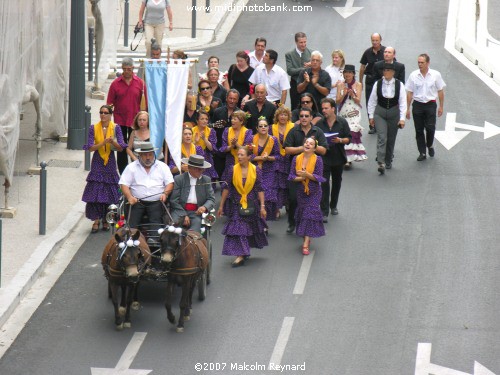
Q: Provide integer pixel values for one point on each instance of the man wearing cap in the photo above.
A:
(193, 194)
(146, 183)
(424, 87)
(387, 111)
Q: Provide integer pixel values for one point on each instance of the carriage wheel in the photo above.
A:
(202, 286)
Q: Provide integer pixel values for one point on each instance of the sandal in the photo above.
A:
(305, 250)
(95, 227)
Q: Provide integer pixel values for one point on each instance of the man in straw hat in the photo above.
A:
(193, 194)
(146, 183)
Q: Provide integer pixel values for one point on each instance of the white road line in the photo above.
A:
(131, 351)
(300, 284)
(279, 347)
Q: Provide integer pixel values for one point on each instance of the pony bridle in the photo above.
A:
(177, 230)
(124, 245)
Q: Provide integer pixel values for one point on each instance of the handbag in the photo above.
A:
(250, 210)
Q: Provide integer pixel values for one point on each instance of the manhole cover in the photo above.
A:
(64, 163)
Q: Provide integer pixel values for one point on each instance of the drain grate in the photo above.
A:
(64, 163)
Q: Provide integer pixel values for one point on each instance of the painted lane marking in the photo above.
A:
(305, 267)
(279, 347)
(449, 137)
(423, 365)
(122, 367)
(347, 10)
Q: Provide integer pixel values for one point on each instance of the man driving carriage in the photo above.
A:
(193, 194)
(145, 184)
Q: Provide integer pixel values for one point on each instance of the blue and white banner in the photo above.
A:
(156, 85)
(167, 88)
(177, 81)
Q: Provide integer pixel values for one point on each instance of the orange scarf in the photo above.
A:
(192, 150)
(276, 133)
(244, 190)
(311, 163)
(267, 149)
(241, 140)
(100, 137)
(201, 142)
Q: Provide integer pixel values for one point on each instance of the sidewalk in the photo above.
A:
(25, 253)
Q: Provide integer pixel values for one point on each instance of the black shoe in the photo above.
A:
(238, 264)
(372, 131)
(421, 157)
(381, 168)
(291, 228)
(334, 211)
(431, 152)
(388, 165)
(325, 219)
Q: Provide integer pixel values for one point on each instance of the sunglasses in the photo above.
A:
(263, 126)
(304, 116)
(204, 88)
(103, 113)
(306, 102)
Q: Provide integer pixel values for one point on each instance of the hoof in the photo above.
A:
(179, 329)
(119, 327)
(121, 311)
(127, 325)
(135, 306)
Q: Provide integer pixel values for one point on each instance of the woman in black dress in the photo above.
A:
(238, 75)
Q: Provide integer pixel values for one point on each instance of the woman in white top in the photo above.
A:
(335, 71)
(154, 21)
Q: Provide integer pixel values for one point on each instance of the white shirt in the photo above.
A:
(388, 91)
(299, 51)
(192, 191)
(336, 75)
(276, 81)
(146, 186)
(426, 88)
(254, 61)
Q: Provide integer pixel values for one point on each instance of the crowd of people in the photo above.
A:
(264, 155)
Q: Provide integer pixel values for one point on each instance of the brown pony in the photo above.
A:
(186, 254)
(124, 258)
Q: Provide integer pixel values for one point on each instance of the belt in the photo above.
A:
(429, 102)
(191, 207)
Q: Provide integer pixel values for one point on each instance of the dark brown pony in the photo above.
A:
(187, 256)
(124, 258)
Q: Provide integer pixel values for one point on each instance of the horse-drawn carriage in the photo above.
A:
(160, 253)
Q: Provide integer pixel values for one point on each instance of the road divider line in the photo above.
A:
(280, 346)
(300, 284)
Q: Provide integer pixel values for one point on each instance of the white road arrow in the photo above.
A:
(449, 137)
(348, 10)
(122, 368)
(425, 367)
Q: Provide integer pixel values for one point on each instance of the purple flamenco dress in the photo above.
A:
(308, 216)
(270, 181)
(243, 232)
(102, 187)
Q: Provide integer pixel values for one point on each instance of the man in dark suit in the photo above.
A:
(193, 194)
(389, 58)
(296, 60)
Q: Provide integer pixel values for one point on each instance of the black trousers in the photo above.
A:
(219, 163)
(121, 156)
(294, 95)
(292, 201)
(368, 91)
(154, 210)
(330, 198)
(424, 118)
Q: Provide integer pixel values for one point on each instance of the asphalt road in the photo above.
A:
(412, 258)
